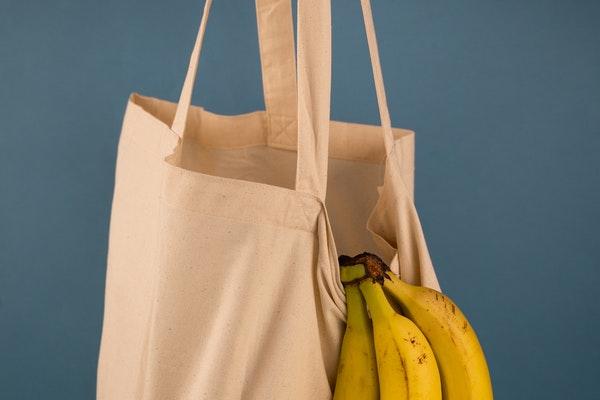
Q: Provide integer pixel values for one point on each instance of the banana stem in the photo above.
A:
(378, 304)
(354, 301)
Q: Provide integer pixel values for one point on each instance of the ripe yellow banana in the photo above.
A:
(357, 369)
(406, 364)
(461, 361)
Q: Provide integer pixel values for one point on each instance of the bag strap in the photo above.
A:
(384, 113)
(314, 90)
(185, 98)
(278, 63)
(314, 82)
(277, 56)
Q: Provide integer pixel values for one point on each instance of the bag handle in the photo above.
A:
(278, 61)
(185, 98)
(314, 82)
(277, 57)
(314, 91)
(384, 113)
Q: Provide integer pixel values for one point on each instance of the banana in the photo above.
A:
(461, 361)
(357, 369)
(406, 364)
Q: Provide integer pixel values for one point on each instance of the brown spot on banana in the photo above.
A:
(412, 340)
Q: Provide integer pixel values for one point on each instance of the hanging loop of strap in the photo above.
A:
(185, 98)
(314, 91)
(278, 61)
(312, 99)
(384, 113)
(314, 71)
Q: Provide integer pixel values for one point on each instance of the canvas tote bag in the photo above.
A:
(222, 277)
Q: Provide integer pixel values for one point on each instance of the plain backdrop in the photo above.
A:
(504, 97)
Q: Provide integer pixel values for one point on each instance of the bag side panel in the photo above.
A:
(131, 273)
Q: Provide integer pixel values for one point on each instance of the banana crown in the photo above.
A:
(362, 266)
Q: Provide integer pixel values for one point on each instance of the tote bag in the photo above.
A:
(222, 273)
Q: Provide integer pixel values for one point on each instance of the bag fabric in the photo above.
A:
(222, 273)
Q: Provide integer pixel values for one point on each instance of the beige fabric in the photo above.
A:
(222, 277)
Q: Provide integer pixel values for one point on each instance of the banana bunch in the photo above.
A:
(417, 344)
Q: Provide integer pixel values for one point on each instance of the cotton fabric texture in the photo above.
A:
(222, 274)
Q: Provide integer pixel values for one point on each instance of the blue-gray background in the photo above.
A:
(505, 99)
